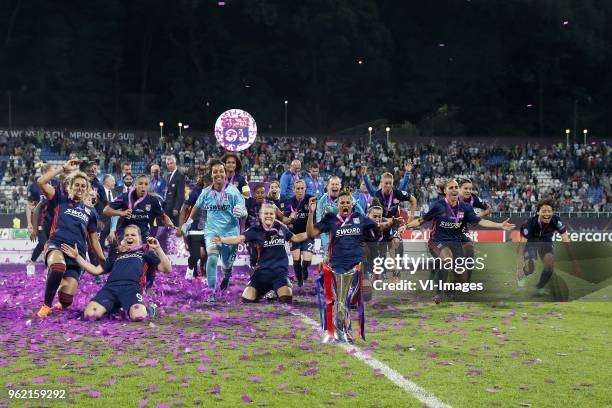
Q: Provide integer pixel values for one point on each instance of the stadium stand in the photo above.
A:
(511, 178)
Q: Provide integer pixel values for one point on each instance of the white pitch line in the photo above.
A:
(426, 397)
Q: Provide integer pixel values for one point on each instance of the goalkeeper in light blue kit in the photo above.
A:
(225, 207)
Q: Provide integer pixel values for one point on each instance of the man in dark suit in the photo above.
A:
(173, 198)
(175, 190)
(107, 195)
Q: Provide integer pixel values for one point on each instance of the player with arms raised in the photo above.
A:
(536, 241)
(448, 216)
(74, 223)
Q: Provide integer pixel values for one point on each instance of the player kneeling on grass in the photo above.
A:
(128, 272)
(271, 269)
(536, 240)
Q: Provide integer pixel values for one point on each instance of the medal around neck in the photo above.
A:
(330, 209)
(235, 130)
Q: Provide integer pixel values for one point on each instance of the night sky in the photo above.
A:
(478, 67)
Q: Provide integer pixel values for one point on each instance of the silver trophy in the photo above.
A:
(341, 309)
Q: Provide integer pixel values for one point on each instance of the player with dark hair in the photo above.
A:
(466, 189)
(194, 240)
(225, 207)
(448, 217)
(347, 230)
(271, 269)
(90, 168)
(390, 199)
(274, 193)
(139, 208)
(466, 193)
(253, 206)
(233, 167)
(296, 209)
(536, 241)
(128, 268)
(375, 247)
(74, 223)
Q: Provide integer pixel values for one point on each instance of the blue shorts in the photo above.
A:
(73, 270)
(267, 281)
(304, 246)
(535, 249)
(435, 248)
(114, 296)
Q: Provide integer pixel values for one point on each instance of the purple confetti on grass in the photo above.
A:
(246, 399)
(310, 372)
(255, 379)
(94, 394)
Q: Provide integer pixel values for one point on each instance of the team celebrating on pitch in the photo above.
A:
(220, 213)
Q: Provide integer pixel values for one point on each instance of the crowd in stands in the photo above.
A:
(510, 178)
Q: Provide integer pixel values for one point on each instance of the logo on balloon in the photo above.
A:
(235, 130)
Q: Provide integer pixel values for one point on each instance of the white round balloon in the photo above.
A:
(235, 130)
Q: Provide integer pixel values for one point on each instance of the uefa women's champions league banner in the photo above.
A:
(235, 130)
(78, 134)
